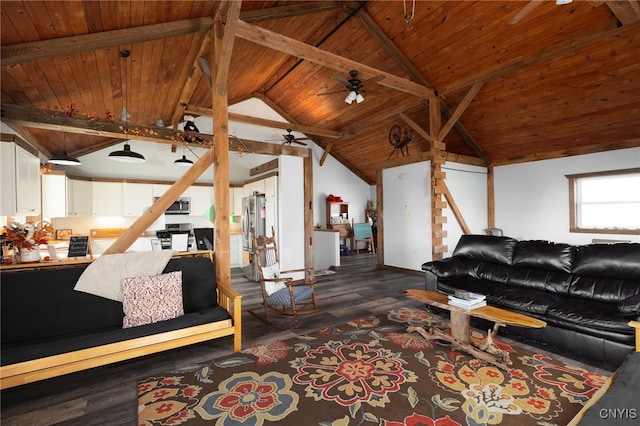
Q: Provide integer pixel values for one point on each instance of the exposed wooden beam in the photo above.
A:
(189, 87)
(26, 134)
(576, 150)
(459, 110)
(241, 118)
(627, 11)
(406, 105)
(224, 28)
(392, 50)
(522, 62)
(288, 11)
(59, 121)
(524, 11)
(454, 208)
(25, 52)
(14, 115)
(299, 49)
(416, 127)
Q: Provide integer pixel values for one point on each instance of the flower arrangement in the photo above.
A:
(26, 236)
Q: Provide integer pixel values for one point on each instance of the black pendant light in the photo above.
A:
(184, 161)
(65, 159)
(126, 155)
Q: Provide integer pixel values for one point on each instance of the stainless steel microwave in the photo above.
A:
(180, 206)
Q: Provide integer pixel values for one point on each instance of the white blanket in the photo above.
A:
(102, 277)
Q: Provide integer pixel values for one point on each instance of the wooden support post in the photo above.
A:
(223, 35)
(491, 201)
(308, 211)
(437, 151)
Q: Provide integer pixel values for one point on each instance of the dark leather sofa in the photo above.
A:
(49, 329)
(586, 294)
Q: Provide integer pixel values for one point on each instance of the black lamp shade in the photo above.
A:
(127, 156)
(65, 160)
(184, 161)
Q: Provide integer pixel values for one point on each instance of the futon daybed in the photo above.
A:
(586, 294)
(50, 329)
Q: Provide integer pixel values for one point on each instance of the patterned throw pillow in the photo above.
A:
(269, 273)
(151, 299)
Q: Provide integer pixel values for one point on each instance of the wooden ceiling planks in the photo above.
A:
(561, 77)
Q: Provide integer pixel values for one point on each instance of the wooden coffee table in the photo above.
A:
(460, 336)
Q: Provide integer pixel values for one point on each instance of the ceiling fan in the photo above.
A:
(290, 138)
(354, 86)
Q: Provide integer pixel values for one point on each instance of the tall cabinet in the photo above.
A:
(338, 218)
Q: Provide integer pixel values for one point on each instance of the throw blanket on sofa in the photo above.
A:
(103, 276)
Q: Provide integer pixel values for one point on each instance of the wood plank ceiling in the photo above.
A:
(528, 80)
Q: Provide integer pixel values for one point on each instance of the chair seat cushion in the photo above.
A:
(282, 298)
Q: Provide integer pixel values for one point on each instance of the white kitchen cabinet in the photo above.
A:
(54, 196)
(235, 200)
(107, 198)
(20, 181)
(79, 197)
(7, 179)
(251, 187)
(158, 189)
(201, 199)
(235, 250)
(27, 182)
(136, 198)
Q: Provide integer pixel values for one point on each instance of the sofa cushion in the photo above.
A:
(36, 290)
(524, 300)
(446, 268)
(610, 290)
(540, 279)
(486, 248)
(620, 260)
(587, 316)
(34, 349)
(545, 255)
(470, 284)
(103, 276)
(487, 271)
(198, 282)
(151, 299)
(630, 305)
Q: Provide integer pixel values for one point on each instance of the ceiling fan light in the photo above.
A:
(351, 97)
(561, 2)
(127, 156)
(184, 161)
(359, 98)
(65, 160)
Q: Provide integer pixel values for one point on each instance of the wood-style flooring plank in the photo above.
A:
(108, 394)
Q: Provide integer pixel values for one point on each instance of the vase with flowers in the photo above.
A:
(25, 239)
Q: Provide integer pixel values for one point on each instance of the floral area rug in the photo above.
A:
(369, 371)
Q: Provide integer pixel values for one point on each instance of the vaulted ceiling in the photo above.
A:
(523, 80)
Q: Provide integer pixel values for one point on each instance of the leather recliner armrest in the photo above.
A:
(450, 267)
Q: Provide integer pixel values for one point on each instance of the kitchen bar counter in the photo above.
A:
(76, 261)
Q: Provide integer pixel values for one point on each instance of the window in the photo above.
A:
(605, 202)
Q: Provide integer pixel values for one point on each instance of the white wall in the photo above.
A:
(468, 187)
(532, 199)
(407, 215)
(334, 178)
(291, 213)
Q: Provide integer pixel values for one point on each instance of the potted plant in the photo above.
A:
(25, 239)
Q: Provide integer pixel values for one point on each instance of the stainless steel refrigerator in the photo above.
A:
(254, 215)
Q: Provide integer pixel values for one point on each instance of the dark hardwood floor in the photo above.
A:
(107, 395)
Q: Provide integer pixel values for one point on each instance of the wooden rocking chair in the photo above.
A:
(281, 294)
